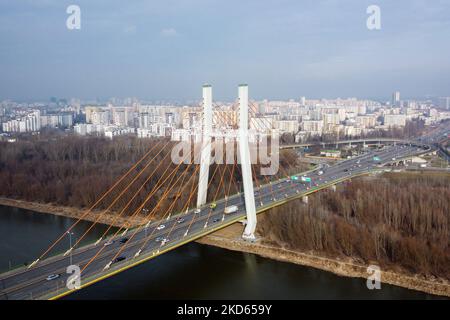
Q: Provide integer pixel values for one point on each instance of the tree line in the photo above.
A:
(397, 220)
(74, 171)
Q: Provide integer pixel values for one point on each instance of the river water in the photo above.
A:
(193, 271)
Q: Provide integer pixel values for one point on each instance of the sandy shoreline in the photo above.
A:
(230, 238)
(70, 212)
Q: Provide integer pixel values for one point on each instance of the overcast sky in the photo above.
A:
(165, 50)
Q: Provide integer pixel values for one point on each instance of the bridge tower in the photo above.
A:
(244, 152)
(205, 158)
(244, 156)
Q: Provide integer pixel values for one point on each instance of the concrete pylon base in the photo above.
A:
(249, 237)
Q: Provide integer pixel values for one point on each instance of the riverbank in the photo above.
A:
(230, 238)
(109, 218)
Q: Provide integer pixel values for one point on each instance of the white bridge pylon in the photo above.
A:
(205, 158)
(244, 153)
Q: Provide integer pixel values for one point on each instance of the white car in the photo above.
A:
(52, 277)
(197, 210)
(160, 227)
(230, 209)
(110, 242)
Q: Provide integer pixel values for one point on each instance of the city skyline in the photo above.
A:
(165, 51)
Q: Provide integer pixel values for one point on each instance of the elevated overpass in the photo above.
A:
(368, 141)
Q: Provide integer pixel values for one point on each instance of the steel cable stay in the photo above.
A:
(118, 197)
(154, 190)
(146, 200)
(84, 215)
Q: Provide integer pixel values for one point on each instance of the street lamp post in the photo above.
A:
(70, 245)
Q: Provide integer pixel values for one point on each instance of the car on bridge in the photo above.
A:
(123, 240)
(118, 259)
(231, 209)
(160, 227)
(108, 243)
(213, 205)
(52, 277)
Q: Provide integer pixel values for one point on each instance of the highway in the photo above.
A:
(31, 283)
(436, 137)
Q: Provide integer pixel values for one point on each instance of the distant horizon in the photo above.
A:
(174, 101)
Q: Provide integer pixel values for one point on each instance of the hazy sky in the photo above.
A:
(167, 49)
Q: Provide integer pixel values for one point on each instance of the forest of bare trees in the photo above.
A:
(75, 171)
(398, 219)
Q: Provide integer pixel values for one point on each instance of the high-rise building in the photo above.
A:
(28, 123)
(444, 103)
(396, 99)
(394, 120)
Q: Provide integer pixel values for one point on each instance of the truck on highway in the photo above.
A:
(231, 209)
(305, 179)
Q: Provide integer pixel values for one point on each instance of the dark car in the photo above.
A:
(118, 259)
(124, 240)
(180, 220)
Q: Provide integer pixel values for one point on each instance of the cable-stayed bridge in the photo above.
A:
(47, 276)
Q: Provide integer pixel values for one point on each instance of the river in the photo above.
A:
(193, 271)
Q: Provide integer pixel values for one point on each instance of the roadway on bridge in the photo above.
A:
(31, 283)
